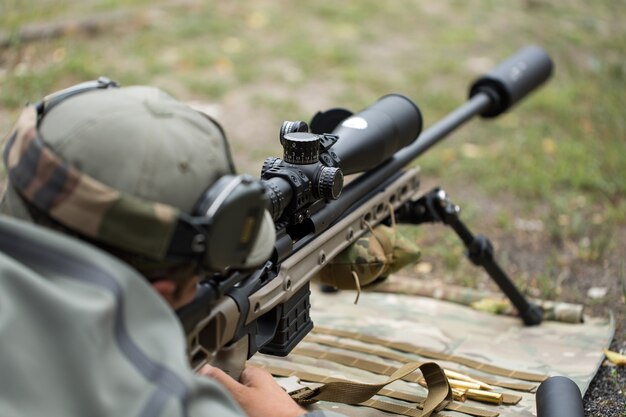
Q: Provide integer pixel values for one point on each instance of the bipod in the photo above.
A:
(436, 207)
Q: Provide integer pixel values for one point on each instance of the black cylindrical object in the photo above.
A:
(559, 396)
(513, 79)
(301, 148)
(279, 193)
(373, 135)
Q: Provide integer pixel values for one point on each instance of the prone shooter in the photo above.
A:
(255, 244)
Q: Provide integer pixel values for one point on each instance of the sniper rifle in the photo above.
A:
(239, 313)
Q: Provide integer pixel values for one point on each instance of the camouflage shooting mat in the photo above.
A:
(385, 330)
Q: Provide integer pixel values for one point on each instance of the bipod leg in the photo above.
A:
(435, 207)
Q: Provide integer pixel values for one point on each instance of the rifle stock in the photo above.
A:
(266, 310)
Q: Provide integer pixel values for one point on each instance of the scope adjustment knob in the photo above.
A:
(301, 148)
(268, 164)
(291, 127)
(330, 183)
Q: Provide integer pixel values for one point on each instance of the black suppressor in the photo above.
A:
(559, 396)
(513, 79)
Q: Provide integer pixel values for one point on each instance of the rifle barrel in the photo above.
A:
(475, 106)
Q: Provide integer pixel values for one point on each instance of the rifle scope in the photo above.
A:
(373, 135)
(313, 164)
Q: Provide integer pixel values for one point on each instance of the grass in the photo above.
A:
(564, 143)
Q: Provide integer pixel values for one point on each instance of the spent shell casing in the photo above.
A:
(459, 395)
(462, 377)
(484, 396)
(455, 383)
(457, 375)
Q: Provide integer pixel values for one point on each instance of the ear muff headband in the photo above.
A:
(53, 99)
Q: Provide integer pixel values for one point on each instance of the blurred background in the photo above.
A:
(545, 182)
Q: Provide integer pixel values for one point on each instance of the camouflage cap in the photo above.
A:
(133, 153)
(173, 155)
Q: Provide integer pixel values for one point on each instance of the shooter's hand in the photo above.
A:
(257, 393)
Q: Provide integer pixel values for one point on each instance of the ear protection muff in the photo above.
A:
(229, 227)
(236, 206)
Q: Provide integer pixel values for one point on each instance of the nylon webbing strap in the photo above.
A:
(439, 392)
(518, 386)
(410, 348)
(399, 395)
(352, 361)
(379, 368)
(393, 408)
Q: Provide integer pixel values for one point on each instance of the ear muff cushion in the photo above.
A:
(264, 243)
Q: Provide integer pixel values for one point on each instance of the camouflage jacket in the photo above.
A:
(83, 334)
